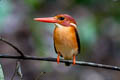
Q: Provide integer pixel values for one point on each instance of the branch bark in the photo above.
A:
(82, 63)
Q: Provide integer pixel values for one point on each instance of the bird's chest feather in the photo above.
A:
(65, 40)
(64, 36)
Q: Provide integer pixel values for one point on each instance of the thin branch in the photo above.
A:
(17, 70)
(82, 63)
(14, 71)
(10, 44)
(40, 75)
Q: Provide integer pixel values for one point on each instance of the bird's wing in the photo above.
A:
(78, 40)
(56, 50)
(55, 47)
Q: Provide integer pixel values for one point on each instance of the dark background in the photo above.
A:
(98, 26)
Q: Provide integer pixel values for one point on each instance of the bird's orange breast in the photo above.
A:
(65, 41)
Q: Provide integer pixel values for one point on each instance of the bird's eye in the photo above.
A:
(61, 18)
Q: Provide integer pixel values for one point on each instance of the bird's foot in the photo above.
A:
(74, 60)
(58, 58)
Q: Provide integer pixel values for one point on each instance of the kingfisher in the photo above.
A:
(65, 36)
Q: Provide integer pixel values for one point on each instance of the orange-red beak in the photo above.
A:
(48, 19)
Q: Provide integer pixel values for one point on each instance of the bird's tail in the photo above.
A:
(67, 64)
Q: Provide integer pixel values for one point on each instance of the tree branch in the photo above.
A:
(14, 47)
(82, 63)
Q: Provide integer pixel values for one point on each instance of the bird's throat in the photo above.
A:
(70, 25)
(59, 25)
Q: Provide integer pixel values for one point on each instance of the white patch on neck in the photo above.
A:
(73, 25)
(59, 25)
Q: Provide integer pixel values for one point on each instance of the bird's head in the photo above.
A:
(63, 20)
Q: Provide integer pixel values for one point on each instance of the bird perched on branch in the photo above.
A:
(66, 39)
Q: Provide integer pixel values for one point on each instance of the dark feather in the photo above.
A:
(55, 48)
(78, 40)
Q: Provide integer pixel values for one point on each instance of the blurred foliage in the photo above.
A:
(104, 8)
(5, 10)
(39, 41)
(87, 30)
(98, 27)
(35, 4)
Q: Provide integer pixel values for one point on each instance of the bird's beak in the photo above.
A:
(47, 19)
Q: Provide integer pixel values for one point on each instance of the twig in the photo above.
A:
(14, 72)
(17, 70)
(19, 51)
(82, 63)
(40, 75)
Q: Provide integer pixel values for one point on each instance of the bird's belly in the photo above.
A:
(66, 51)
(65, 42)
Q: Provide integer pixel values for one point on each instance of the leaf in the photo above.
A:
(19, 72)
(1, 73)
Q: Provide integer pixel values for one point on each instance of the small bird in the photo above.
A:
(65, 36)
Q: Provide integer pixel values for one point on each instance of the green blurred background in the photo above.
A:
(98, 27)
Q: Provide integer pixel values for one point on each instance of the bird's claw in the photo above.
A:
(74, 60)
(58, 58)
